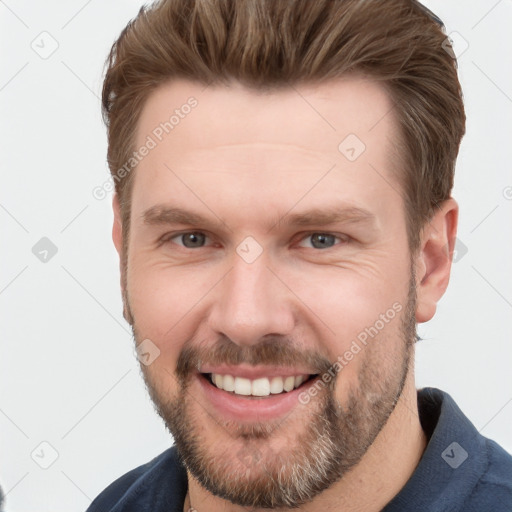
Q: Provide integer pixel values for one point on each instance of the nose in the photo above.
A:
(250, 303)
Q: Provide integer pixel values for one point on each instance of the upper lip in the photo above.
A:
(254, 372)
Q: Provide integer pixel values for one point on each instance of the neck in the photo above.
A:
(371, 484)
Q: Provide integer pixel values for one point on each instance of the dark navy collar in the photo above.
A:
(453, 462)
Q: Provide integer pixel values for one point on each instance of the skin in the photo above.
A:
(248, 161)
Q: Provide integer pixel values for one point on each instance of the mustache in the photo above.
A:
(272, 350)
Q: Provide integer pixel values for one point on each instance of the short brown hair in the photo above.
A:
(267, 44)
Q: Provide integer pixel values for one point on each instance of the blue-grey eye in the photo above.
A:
(322, 240)
(192, 240)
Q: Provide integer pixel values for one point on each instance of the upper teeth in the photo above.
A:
(258, 387)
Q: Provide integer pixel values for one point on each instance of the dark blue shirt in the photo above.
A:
(460, 470)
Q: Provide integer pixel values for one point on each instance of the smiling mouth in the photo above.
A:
(257, 388)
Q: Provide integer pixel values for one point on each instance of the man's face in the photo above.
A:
(270, 283)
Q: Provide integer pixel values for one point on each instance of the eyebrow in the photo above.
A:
(166, 215)
(328, 216)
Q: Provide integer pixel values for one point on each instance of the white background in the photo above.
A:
(67, 367)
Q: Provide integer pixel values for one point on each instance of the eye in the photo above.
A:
(322, 240)
(190, 240)
(197, 239)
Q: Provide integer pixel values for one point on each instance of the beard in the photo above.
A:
(284, 464)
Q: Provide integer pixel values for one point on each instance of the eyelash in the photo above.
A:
(342, 238)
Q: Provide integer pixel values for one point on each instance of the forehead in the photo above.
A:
(234, 114)
(236, 139)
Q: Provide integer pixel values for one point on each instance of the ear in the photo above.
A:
(117, 227)
(117, 237)
(434, 259)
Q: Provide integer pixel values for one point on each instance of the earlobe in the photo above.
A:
(434, 259)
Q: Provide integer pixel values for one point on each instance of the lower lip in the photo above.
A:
(242, 408)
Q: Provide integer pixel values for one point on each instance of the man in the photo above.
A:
(283, 218)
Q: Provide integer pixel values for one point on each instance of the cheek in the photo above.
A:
(164, 298)
(347, 300)
(357, 312)
(161, 304)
